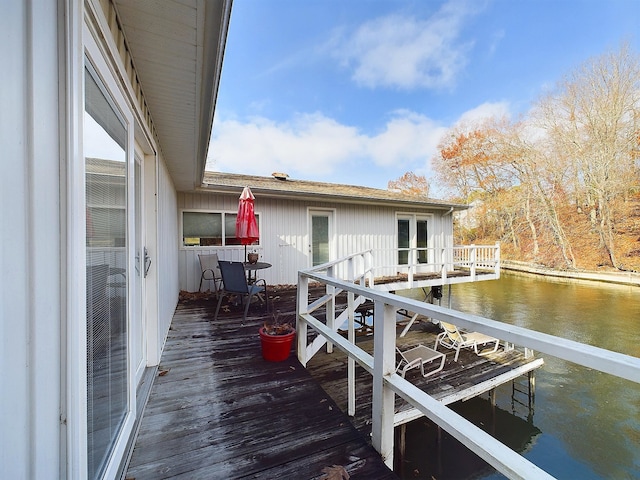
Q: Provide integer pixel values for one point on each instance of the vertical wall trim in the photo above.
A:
(74, 414)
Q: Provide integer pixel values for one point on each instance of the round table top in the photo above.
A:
(256, 266)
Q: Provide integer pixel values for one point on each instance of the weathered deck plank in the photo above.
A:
(218, 410)
(456, 381)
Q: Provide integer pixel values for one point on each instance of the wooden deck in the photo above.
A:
(470, 376)
(218, 410)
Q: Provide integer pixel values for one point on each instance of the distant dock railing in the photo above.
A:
(405, 268)
(356, 279)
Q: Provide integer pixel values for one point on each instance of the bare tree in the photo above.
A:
(592, 119)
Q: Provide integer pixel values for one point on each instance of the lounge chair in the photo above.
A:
(452, 338)
(418, 357)
(234, 283)
(210, 271)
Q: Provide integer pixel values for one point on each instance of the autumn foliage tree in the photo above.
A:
(411, 184)
(563, 177)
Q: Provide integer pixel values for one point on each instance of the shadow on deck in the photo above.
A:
(218, 410)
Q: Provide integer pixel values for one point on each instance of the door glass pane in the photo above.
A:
(319, 239)
(403, 241)
(421, 233)
(106, 251)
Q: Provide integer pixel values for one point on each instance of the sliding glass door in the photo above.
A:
(107, 210)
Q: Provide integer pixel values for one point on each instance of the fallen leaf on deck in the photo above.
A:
(335, 472)
(163, 373)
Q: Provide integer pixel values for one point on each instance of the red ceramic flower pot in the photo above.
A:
(276, 348)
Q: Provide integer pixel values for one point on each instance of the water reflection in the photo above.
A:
(588, 422)
(448, 458)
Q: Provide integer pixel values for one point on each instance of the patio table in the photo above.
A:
(254, 267)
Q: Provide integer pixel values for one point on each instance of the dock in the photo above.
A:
(470, 376)
(217, 409)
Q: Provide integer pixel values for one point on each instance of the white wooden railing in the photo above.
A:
(356, 283)
(441, 264)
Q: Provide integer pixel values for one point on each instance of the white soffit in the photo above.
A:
(177, 49)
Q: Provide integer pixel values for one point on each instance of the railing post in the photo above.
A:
(384, 344)
(301, 325)
(330, 312)
(443, 262)
(472, 259)
(368, 267)
(496, 258)
(351, 363)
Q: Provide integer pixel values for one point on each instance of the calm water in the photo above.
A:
(584, 424)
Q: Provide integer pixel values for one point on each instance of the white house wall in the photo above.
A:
(42, 249)
(31, 312)
(166, 260)
(284, 234)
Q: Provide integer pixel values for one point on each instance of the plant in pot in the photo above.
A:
(252, 257)
(276, 338)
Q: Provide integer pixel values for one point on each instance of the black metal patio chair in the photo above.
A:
(234, 283)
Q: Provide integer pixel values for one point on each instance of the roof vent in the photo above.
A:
(280, 176)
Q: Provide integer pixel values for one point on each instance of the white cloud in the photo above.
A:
(483, 112)
(314, 146)
(406, 52)
(310, 145)
(407, 138)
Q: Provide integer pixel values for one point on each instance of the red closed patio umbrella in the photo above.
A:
(246, 225)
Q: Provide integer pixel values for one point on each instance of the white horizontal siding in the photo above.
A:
(285, 240)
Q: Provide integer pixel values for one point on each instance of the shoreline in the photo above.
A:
(621, 278)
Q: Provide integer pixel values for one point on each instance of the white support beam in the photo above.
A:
(301, 324)
(501, 457)
(351, 363)
(384, 347)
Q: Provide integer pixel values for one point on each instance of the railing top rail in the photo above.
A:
(618, 364)
(325, 266)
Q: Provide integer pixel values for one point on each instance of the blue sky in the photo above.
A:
(361, 91)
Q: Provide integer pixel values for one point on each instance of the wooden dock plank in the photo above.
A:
(458, 380)
(218, 410)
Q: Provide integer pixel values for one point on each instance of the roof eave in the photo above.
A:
(328, 197)
(213, 55)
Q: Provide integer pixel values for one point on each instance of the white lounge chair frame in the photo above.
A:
(417, 357)
(452, 338)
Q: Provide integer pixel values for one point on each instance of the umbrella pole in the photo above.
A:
(245, 253)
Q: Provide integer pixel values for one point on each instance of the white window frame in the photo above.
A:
(331, 215)
(76, 399)
(216, 247)
(413, 218)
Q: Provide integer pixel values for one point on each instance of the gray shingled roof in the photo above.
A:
(289, 188)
